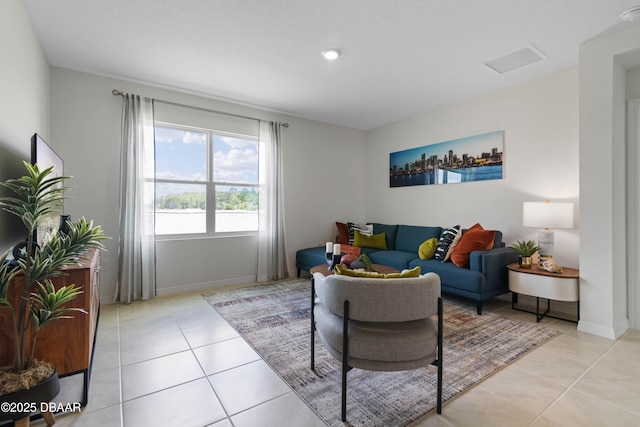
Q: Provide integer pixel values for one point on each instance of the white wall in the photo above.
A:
(323, 180)
(540, 120)
(633, 83)
(603, 286)
(633, 195)
(24, 104)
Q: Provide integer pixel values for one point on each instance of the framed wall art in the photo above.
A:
(474, 158)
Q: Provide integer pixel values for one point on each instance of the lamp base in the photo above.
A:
(545, 246)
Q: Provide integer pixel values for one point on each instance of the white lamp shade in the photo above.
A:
(547, 215)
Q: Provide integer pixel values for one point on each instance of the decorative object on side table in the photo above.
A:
(37, 302)
(545, 216)
(551, 266)
(525, 250)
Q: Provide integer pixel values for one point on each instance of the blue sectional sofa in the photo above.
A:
(486, 276)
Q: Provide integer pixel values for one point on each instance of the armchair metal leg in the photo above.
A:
(345, 359)
(440, 330)
(313, 325)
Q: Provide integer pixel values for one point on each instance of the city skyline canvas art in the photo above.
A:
(473, 158)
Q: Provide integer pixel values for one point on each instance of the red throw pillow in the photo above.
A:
(474, 239)
(343, 233)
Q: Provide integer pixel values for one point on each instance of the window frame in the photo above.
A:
(209, 183)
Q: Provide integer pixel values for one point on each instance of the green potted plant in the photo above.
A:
(26, 289)
(525, 250)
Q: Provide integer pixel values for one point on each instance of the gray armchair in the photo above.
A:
(378, 324)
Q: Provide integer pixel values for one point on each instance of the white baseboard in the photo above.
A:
(603, 331)
(193, 287)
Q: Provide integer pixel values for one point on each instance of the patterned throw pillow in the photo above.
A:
(448, 241)
(366, 229)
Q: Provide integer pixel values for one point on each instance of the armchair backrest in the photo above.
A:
(380, 300)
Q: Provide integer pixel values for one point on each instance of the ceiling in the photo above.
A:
(399, 57)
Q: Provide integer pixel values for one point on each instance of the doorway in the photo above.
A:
(633, 212)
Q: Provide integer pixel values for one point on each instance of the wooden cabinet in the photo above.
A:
(65, 343)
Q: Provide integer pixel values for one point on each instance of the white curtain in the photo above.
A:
(136, 250)
(273, 262)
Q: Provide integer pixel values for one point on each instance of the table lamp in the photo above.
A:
(546, 216)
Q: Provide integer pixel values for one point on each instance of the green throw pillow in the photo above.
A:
(377, 241)
(341, 269)
(428, 248)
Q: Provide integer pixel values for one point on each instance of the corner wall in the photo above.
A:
(540, 120)
(323, 177)
(603, 283)
(24, 105)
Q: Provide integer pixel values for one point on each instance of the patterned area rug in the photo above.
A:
(274, 319)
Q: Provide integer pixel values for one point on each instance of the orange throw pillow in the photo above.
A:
(343, 233)
(474, 239)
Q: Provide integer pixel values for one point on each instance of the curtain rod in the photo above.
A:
(116, 92)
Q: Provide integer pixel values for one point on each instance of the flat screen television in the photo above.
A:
(43, 155)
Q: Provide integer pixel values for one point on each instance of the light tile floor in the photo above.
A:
(575, 379)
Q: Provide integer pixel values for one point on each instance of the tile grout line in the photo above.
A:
(120, 388)
(206, 377)
(573, 383)
(223, 320)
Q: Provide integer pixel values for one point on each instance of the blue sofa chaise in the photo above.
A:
(486, 277)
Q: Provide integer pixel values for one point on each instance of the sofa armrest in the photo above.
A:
(493, 264)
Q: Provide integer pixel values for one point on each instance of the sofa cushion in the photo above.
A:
(308, 258)
(474, 239)
(376, 241)
(448, 241)
(451, 276)
(389, 233)
(497, 240)
(428, 248)
(410, 237)
(369, 251)
(396, 259)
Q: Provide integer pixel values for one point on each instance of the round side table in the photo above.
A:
(540, 283)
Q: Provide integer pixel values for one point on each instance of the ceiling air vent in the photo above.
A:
(521, 57)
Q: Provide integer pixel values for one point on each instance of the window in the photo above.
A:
(206, 181)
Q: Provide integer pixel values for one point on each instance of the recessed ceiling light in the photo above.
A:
(631, 15)
(331, 54)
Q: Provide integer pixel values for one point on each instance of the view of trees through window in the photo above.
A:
(206, 181)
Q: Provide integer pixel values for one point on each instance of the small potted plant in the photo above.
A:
(26, 289)
(525, 250)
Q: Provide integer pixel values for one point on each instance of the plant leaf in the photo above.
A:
(7, 273)
(48, 302)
